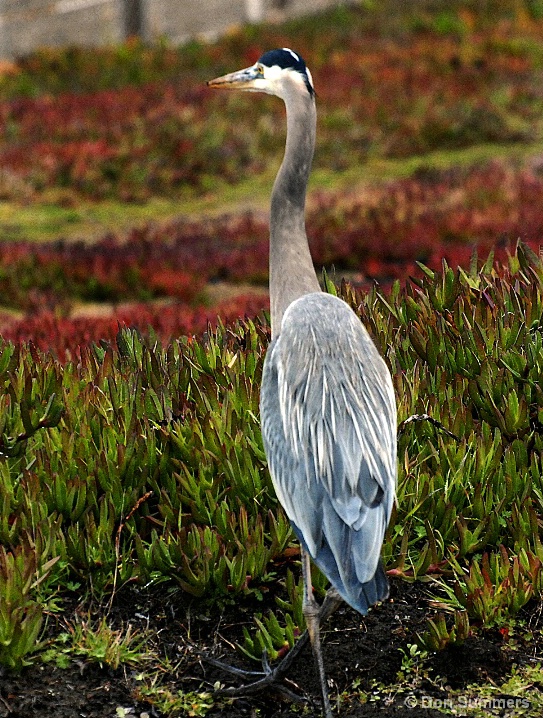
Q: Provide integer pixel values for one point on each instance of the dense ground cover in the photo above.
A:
(142, 465)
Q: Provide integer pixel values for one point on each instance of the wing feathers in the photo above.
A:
(329, 430)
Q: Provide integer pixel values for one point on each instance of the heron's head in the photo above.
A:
(277, 72)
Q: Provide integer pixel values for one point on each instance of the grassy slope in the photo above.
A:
(46, 221)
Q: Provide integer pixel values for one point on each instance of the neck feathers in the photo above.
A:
(291, 268)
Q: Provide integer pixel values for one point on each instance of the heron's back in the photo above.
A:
(329, 430)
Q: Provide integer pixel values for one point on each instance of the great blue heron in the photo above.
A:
(327, 403)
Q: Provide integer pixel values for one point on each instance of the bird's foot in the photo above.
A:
(267, 679)
(275, 678)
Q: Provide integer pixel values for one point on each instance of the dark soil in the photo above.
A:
(368, 650)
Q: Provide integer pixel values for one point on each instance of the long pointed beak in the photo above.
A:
(240, 80)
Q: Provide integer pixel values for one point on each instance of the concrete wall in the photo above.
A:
(180, 20)
(28, 24)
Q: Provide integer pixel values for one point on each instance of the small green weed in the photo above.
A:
(99, 643)
(175, 702)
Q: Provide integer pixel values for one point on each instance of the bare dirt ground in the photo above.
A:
(366, 651)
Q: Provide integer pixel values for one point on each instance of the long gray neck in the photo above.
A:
(291, 268)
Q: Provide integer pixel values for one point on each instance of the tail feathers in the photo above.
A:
(357, 594)
(370, 592)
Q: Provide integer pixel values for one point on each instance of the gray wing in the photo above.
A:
(329, 430)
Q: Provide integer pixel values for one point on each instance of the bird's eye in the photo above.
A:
(260, 69)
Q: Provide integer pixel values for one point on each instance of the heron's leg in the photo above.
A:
(312, 615)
